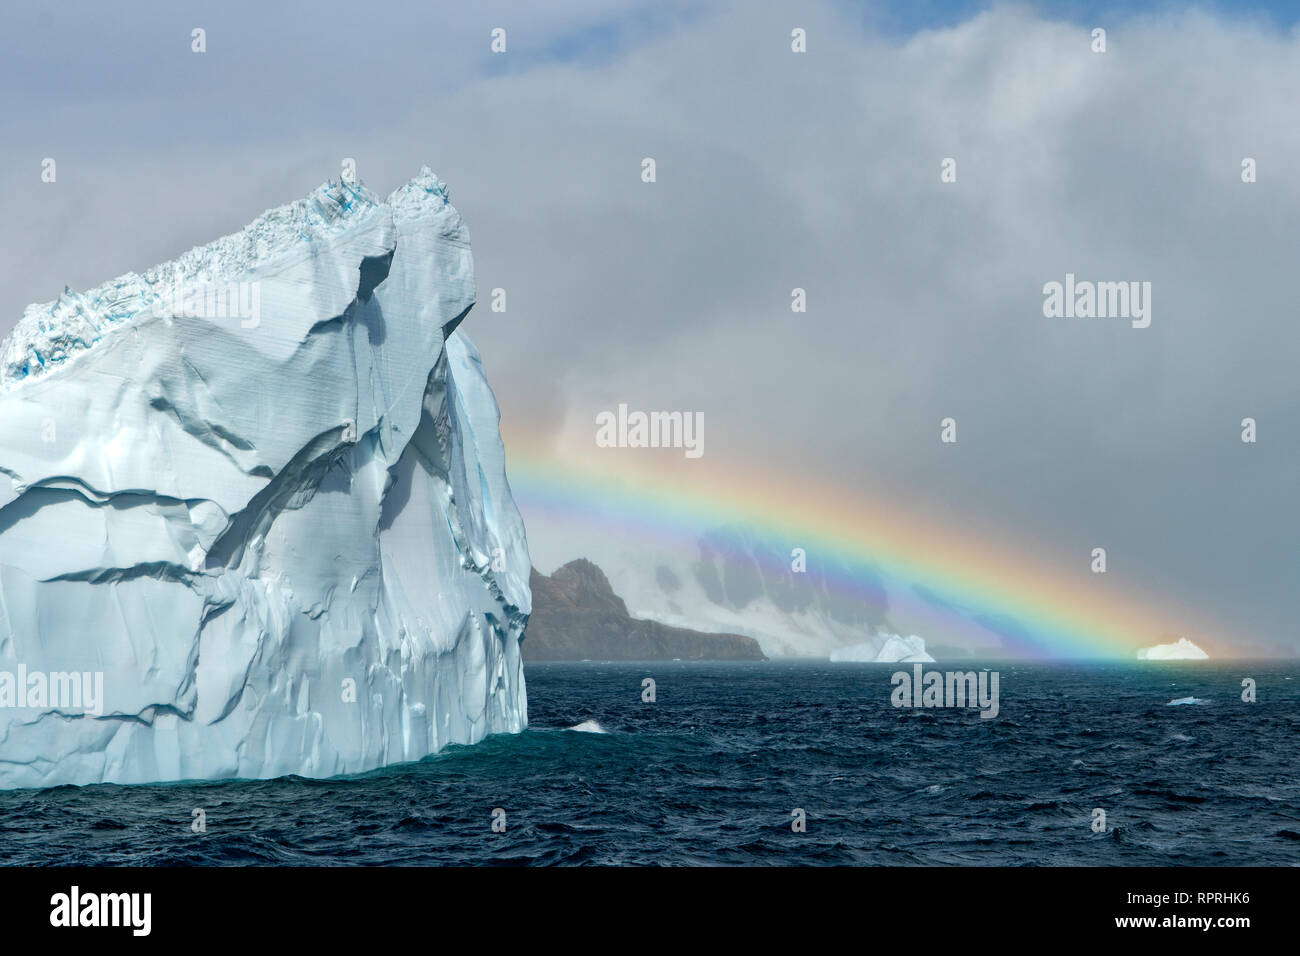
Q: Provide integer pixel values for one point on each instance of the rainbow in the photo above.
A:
(1040, 607)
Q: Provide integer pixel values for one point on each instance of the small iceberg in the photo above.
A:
(886, 648)
(1180, 650)
(589, 727)
(1185, 700)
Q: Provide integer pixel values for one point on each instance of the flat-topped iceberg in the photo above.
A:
(254, 517)
(1180, 650)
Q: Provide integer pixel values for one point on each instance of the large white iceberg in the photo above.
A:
(1180, 650)
(254, 517)
(885, 648)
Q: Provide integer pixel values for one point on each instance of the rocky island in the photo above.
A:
(577, 616)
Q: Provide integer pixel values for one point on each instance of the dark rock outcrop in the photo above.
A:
(577, 616)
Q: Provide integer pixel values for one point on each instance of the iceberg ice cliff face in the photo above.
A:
(254, 517)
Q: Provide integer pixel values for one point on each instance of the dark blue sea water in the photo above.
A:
(711, 772)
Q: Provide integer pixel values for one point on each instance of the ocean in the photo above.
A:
(725, 763)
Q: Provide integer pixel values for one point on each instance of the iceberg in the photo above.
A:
(1180, 650)
(254, 515)
(885, 649)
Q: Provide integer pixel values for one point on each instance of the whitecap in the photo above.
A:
(589, 727)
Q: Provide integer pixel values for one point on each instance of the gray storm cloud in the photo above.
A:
(776, 170)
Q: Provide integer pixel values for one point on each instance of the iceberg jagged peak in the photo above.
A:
(50, 333)
(424, 187)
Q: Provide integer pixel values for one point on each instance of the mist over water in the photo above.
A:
(711, 771)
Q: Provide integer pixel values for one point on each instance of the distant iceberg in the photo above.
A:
(885, 649)
(1180, 650)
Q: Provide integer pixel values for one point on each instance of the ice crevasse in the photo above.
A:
(254, 516)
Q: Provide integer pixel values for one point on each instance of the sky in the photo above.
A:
(775, 170)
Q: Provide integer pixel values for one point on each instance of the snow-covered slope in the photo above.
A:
(736, 580)
(261, 491)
